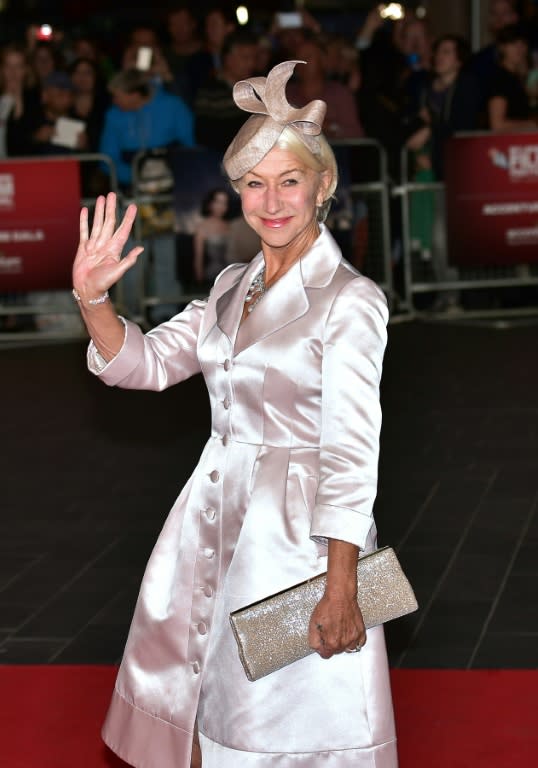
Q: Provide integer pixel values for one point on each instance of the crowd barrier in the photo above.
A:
(40, 201)
(469, 243)
(170, 185)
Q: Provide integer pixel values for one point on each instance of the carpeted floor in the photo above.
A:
(51, 717)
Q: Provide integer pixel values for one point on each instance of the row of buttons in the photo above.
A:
(210, 514)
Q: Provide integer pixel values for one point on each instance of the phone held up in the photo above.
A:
(392, 11)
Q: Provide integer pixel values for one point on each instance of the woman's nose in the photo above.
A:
(272, 199)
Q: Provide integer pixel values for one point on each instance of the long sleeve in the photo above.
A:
(158, 359)
(354, 345)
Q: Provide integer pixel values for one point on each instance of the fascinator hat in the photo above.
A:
(272, 119)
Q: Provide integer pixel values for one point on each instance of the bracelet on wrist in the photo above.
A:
(99, 300)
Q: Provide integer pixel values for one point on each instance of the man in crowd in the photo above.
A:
(145, 117)
(217, 118)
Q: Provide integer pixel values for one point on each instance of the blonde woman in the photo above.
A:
(291, 348)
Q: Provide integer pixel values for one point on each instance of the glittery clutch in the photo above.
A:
(273, 632)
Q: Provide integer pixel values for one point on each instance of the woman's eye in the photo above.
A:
(290, 182)
(253, 184)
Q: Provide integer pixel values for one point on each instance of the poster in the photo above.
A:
(492, 199)
(39, 223)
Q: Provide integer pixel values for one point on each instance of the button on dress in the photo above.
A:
(291, 462)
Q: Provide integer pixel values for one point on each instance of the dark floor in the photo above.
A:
(89, 474)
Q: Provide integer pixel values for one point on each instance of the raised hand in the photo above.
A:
(98, 263)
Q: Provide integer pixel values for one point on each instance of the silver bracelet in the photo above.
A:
(99, 300)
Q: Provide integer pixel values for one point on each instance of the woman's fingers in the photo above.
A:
(84, 225)
(109, 222)
(97, 224)
(126, 224)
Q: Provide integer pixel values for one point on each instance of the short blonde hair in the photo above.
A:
(322, 162)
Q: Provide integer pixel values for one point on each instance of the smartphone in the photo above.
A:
(144, 56)
(392, 11)
(292, 20)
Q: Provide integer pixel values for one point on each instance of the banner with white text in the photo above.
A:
(492, 199)
(39, 229)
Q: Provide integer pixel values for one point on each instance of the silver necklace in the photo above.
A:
(256, 292)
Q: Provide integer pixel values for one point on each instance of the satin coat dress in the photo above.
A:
(291, 461)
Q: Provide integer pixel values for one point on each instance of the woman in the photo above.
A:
(509, 104)
(90, 99)
(19, 102)
(291, 347)
(341, 120)
(211, 236)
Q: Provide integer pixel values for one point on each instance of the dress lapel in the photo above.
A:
(229, 306)
(284, 302)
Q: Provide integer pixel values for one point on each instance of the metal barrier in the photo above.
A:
(435, 287)
(359, 220)
(38, 312)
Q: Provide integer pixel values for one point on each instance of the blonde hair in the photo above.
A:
(322, 162)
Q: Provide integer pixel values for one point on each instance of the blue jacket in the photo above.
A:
(164, 120)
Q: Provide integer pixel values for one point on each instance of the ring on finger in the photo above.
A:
(354, 650)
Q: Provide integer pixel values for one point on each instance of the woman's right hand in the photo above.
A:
(98, 263)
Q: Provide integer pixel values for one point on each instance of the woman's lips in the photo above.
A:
(275, 223)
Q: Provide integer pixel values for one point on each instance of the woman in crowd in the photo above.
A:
(291, 347)
(509, 103)
(312, 82)
(211, 237)
(19, 102)
(90, 99)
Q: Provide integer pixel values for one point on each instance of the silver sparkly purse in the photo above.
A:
(273, 632)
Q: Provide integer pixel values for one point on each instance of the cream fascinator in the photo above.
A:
(266, 98)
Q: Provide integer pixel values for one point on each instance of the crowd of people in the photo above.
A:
(170, 84)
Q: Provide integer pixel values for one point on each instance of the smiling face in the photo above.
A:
(279, 197)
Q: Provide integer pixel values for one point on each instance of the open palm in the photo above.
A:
(98, 263)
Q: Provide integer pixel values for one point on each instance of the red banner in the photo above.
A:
(39, 231)
(492, 199)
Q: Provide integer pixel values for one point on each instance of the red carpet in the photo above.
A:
(50, 717)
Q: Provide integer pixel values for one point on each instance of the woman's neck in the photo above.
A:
(278, 260)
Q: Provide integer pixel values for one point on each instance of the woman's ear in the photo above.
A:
(325, 179)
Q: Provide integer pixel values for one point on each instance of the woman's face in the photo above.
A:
(83, 77)
(13, 69)
(43, 62)
(279, 197)
(219, 204)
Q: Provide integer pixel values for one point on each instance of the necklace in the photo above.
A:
(256, 292)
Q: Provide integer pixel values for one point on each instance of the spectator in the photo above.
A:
(90, 100)
(509, 105)
(145, 117)
(484, 63)
(217, 25)
(342, 62)
(217, 117)
(311, 82)
(19, 102)
(189, 64)
(142, 117)
(449, 102)
(145, 36)
(384, 95)
(46, 58)
(84, 47)
(57, 101)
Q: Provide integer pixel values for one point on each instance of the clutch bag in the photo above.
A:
(273, 632)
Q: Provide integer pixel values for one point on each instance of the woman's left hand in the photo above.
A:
(336, 625)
